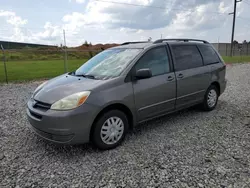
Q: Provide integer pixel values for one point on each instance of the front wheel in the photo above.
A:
(110, 129)
(210, 98)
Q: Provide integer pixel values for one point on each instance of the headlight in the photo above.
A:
(38, 88)
(71, 101)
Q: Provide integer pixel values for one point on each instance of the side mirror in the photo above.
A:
(143, 73)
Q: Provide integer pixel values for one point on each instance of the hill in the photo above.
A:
(96, 47)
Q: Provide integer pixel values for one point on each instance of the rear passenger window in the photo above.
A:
(156, 60)
(209, 55)
(187, 57)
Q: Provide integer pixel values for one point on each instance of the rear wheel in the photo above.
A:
(110, 129)
(211, 98)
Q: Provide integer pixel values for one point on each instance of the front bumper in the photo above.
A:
(67, 127)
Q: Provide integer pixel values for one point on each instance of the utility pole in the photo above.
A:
(65, 54)
(161, 36)
(234, 15)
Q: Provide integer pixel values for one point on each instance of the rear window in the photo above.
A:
(209, 55)
(187, 57)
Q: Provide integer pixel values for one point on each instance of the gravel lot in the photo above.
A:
(190, 148)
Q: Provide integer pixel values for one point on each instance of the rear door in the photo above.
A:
(192, 77)
(156, 95)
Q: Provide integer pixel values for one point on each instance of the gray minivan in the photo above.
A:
(126, 85)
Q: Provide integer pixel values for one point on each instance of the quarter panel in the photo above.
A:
(218, 74)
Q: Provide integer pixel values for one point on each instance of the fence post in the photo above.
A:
(226, 49)
(4, 61)
(65, 54)
(218, 46)
(247, 49)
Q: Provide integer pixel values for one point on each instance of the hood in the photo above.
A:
(63, 86)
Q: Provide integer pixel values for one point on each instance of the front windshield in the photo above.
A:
(108, 64)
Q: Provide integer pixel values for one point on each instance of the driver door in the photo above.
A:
(156, 95)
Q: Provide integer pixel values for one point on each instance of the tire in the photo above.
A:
(212, 92)
(110, 124)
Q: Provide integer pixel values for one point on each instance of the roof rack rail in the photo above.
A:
(125, 43)
(183, 40)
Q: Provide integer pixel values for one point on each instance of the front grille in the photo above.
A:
(35, 115)
(42, 106)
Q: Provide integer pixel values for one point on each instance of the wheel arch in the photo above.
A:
(115, 106)
(217, 85)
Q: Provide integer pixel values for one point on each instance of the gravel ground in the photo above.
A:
(186, 149)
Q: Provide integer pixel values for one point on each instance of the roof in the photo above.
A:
(145, 44)
(180, 40)
(186, 43)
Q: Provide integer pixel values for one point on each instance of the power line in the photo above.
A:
(155, 7)
(246, 2)
(137, 5)
(128, 4)
(131, 4)
(243, 18)
(245, 25)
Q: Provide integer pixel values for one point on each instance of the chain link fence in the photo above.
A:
(40, 63)
(238, 49)
(44, 62)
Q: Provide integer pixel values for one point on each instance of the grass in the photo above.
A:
(41, 69)
(236, 59)
(26, 55)
(31, 70)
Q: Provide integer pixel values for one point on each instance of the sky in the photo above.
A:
(117, 21)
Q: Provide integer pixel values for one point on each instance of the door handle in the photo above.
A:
(170, 78)
(180, 76)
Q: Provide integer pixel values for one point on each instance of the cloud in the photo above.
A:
(152, 14)
(12, 25)
(51, 33)
(12, 18)
(74, 21)
(170, 18)
(101, 22)
(16, 21)
(14, 30)
(202, 17)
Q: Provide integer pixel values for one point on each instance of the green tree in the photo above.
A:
(236, 42)
(86, 43)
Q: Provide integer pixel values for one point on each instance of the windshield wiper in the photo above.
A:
(86, 76)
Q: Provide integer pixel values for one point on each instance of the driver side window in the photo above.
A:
(156, 60)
